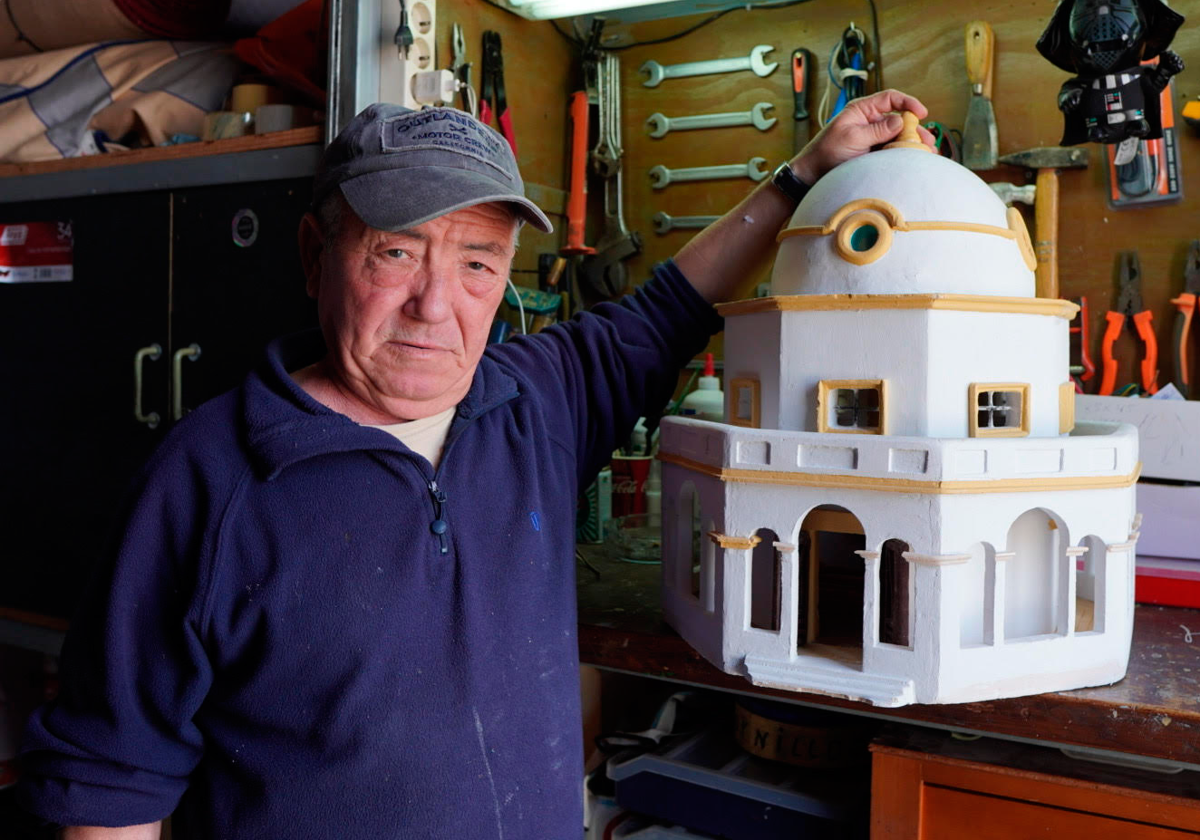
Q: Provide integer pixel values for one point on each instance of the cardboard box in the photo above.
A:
(1168, 431)
(1170, 521)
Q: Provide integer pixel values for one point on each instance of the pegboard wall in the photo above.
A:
(922, 54)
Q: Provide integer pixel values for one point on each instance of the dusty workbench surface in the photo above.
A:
(1154, 711)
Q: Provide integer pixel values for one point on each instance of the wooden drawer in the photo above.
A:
(927, 786)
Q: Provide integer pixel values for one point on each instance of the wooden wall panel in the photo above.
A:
(923, 55)
(539, 70)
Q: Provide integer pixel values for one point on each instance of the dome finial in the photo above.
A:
(909, 138)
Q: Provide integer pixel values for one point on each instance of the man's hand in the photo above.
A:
(863, 124)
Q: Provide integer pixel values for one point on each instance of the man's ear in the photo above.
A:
(312, 245)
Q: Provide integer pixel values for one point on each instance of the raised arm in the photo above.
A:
(721, 256)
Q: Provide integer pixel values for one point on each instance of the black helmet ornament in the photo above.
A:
(1113, 96)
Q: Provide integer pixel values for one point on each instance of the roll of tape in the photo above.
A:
(276, 118)
(247, 98)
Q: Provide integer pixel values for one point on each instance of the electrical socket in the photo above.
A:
(396, 72)
(436, 87)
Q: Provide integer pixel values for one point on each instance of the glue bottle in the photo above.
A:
(707, 402)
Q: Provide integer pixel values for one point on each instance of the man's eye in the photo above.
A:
(478, 266)
(396, 253)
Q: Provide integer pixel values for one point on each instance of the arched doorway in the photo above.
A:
(893, 594)
(765, 574)
(829, 538)
(1032, 578)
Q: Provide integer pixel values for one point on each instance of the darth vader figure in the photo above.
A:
(1113, 96)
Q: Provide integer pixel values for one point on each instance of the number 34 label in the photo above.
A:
(36, 252)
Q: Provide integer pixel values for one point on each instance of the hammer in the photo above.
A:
(1047, 160)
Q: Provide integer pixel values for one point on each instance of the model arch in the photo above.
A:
(1035, 572)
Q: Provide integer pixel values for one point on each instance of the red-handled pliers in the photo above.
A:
(1186, 304)
(1129, 306)
(492, 89)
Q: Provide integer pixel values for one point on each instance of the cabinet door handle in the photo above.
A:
(153, 352)
(192, 351)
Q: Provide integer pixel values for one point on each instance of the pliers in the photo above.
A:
(460, 67)
(1129, 306)
(492, 89)
(1186, 305)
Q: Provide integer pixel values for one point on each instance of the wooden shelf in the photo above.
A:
(255, 157)
(1153, 712)
(181, 151)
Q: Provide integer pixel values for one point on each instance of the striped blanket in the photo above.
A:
(53, 104)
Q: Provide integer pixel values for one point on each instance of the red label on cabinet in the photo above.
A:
(36, 252)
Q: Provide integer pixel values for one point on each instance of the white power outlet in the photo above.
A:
(396, 72)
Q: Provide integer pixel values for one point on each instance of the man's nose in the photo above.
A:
(432, 293)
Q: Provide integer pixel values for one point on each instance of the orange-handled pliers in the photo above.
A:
(1186, 304)
(1129, 306)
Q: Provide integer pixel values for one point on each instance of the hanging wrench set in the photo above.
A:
(658, 125)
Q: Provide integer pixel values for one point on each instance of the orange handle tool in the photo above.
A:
(577, 198)
(1111, 333)
(1150, 361)
(1186, 304)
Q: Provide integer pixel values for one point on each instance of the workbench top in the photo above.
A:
(1153, 712)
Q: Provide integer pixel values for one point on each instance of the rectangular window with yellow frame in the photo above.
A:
(854, 406)
(998, 409)
(745, 402)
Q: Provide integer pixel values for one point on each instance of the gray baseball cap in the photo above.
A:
(399, 168)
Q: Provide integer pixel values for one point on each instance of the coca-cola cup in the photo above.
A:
(629, 474)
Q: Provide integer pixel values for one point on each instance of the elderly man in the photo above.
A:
(342, 605)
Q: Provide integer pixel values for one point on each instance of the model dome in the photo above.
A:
(903, 220)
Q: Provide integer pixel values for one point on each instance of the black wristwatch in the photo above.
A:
(788, 183)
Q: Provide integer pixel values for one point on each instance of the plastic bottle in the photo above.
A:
(707, 402)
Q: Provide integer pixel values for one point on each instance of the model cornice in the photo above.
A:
(853, 302)
(907, 485)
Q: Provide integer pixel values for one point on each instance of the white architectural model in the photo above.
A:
(900, 507)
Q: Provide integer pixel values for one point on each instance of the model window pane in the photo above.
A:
(745, 402)
(856, 408)
(999, 409)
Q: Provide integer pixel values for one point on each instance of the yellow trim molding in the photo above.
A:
(906, 485)
(946, 302)
(1001, 556)
(977, 388)
(725, 541)
(735, 384)
(1066, 408)
(823, 404)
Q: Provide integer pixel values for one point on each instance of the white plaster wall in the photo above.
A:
(752, 345)
(923, 187)
(928, 357)
(967, 347)
(872, 344)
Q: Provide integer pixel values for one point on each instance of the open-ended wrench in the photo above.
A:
(665, 224)
(661, 176)
(658, 125)
(656, 72)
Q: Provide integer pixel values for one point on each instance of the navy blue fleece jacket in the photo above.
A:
(305, 632)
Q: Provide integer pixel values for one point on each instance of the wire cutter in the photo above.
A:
(1186, 305)
(1129, 306)
(460, 67)
(492, 89)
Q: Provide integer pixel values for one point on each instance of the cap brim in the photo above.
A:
(404, 198)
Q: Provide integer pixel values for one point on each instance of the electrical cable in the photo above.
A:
(520, 306)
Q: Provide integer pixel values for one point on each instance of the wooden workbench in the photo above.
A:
(1153, 712)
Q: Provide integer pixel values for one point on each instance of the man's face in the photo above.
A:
(406, 315)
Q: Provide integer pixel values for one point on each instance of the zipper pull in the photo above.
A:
(439, 526)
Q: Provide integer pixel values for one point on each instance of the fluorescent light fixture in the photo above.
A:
(545, 9)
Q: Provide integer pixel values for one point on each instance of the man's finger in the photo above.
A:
(927, 137)
(893, 100)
